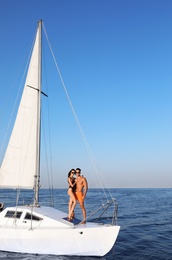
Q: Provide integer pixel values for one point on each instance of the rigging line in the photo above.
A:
(50, 175)
(76, 118)
(69, 100)
(49, 168)
(17, 203)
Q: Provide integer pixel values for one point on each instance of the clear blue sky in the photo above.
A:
(116, 60)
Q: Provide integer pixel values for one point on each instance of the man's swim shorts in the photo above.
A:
(79, 196)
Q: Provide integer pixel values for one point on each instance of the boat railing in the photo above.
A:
(108, 210)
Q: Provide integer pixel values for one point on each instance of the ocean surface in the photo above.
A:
(145, 217)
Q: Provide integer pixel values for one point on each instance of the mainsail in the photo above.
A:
(20, 166)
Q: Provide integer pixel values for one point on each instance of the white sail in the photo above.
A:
(19, 165)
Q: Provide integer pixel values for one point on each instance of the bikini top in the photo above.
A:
(73, 181)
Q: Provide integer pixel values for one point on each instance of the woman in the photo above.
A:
(71, 190)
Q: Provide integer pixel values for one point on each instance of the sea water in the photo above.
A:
(145, 217)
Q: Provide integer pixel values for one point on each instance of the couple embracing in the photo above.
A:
(77, 192)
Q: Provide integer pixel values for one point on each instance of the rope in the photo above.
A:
(97, 171)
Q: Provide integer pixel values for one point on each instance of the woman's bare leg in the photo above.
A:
(72, 205)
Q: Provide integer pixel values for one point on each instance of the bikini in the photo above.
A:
(74, 187)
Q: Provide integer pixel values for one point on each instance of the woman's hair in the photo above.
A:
(70, 172)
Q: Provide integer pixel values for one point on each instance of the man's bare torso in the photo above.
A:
(80, 183)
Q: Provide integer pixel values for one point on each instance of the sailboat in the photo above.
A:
(35, 228)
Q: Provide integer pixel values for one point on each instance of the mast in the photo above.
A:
(37, 174)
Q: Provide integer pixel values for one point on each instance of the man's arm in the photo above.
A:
(85, 186)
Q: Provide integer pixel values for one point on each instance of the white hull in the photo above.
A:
(54, 235)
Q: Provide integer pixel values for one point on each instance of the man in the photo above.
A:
(81, 191)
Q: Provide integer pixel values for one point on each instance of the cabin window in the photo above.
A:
(13, 214)
(32, 217)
